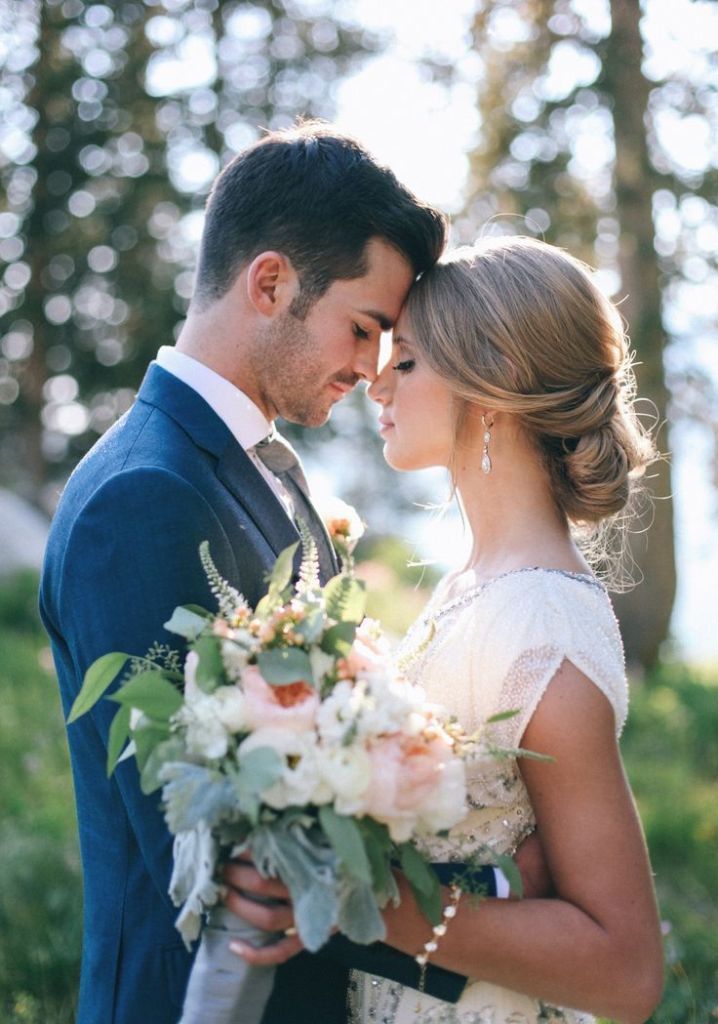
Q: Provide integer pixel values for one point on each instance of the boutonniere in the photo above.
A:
(344, 526)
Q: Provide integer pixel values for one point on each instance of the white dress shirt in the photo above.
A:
(237, 411)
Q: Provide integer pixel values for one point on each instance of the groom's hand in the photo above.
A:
(535, 875)
(265, 903)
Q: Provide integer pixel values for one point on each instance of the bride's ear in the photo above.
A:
(272, 283)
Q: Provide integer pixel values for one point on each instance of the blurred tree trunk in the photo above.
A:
(645, 622)
(564, 152)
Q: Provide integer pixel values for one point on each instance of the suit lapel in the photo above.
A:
(247, 485)
(235, 469)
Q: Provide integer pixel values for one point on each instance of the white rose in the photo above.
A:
(230, 708)
(321, 663)
(347, 772)
(234, 659)
(343, 708)
(191, 689)
(389, 707)
(446, 805)
(301, 782)
(207, 735)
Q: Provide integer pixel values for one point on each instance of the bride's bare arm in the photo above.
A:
(597, 945)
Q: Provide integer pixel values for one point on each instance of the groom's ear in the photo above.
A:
(272, 283)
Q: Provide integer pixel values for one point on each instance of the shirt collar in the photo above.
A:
(243, 418)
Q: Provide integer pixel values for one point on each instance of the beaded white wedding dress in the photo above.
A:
(493, 648)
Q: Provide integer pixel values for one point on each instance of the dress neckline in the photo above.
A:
(471, 592)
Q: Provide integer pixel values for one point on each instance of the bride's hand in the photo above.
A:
(265, 903)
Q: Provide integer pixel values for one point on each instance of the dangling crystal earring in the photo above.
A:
(485, 460)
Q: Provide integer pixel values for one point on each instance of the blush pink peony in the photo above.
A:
(405, 771)
(291, 707)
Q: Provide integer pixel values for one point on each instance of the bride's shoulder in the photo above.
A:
(524, 605)
(552, 594)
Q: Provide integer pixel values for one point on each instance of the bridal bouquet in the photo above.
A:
(288, 732)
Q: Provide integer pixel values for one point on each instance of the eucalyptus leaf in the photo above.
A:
(118, 736)
(359, 916)
(151, 693)
(345, 599)
(286, 849)
(346, 838)
(312, 625)
(378, 846)
(423, 881)
(281, 575)
(502, 716)
(98, 678)
(210, 666)
(258, 770)
(147, 737)
(339, 638)
(419, 873)
(281, 666)
(194, 794)
(163, 752)
(430, 903)
(186, 622)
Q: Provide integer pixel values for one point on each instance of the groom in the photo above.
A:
(308, 251)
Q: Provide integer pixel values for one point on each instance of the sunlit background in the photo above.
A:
(591, 123)
(415, 105)
(424, 131)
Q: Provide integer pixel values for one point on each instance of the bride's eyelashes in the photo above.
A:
(404, 365)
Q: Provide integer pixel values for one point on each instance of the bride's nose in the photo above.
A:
(380, 388)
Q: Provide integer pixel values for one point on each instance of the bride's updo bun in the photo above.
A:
(518, 326)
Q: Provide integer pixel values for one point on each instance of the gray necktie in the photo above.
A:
(280, 458)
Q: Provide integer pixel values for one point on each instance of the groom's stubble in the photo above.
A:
(294, 373)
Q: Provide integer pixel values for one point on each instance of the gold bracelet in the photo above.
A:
(438, 931)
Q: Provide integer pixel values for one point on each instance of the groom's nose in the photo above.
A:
(366, 359)
(380, 387)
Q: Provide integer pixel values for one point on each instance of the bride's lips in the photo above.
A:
(385, 425)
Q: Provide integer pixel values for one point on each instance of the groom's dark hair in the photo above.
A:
(317, 196)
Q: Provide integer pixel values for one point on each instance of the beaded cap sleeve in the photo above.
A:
(497, 646)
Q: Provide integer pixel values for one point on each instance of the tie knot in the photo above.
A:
(276, 454)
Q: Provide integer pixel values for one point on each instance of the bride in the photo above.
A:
(510, 368)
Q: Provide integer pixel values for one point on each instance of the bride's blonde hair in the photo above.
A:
(518, 326)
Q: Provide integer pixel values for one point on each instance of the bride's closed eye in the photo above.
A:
(404, 365)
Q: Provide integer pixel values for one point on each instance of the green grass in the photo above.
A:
(40, 889)
(671, 753)
(670, 748)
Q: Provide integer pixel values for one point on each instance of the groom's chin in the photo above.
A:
(315, 417)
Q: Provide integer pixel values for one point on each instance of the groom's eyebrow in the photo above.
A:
(384, 321)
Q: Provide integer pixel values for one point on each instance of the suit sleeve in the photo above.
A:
(131, 558)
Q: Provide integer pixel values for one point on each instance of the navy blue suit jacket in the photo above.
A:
(122, 553)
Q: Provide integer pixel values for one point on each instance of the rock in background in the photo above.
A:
(23, 534)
